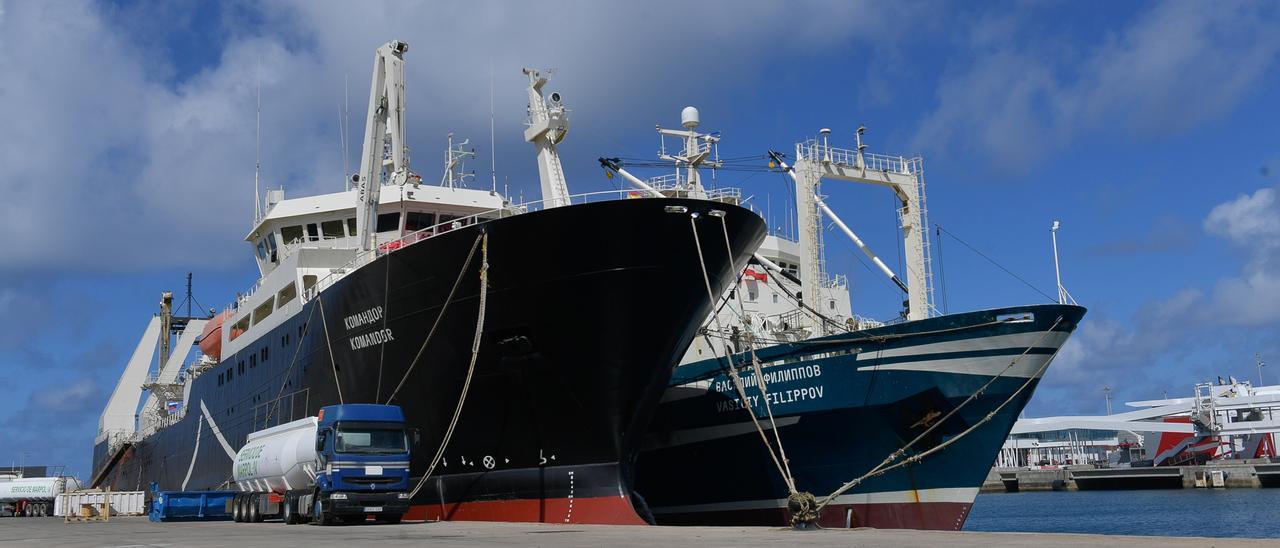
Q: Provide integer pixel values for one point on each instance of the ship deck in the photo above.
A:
(136, 531)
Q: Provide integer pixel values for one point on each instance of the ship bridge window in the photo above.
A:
(332, 230)
(271, 245)
(308, 281)
(262, 251)
(417, 220)
(262, 311)
(291, 234)
(389, 222)
(287, 294)
(313, 233)
(239, 328)
(351, 226)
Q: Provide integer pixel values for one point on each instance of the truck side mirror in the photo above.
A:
(416, 435)
(320, 441)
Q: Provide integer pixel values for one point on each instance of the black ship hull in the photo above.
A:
(588, 308)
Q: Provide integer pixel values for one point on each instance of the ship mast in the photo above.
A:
(548, 123)
(385, 120)
(698, 147)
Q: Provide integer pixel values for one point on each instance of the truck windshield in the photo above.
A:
(370, 438)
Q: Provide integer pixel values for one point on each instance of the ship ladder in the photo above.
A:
(888, 463)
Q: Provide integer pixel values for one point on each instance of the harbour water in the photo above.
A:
(1238, 513)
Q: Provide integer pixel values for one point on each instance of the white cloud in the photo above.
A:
(1173, 68)
(1252, 223)
(111, 162)
(1248, 220)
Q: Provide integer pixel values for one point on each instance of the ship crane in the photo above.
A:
(826, 210)
(816, 161)
(385, 121)
(548, 125)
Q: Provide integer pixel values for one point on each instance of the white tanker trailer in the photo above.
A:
(350, 462)
(33, 496)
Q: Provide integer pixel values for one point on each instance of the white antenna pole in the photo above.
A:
(1062, 297)
(493, 151)
(346, 128)
(1258, 357)
(257, 162)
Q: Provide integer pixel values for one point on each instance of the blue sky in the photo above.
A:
(1149, 129)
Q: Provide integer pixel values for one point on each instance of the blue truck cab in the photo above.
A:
(362, 453)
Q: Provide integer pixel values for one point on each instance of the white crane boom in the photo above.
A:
(548, 125)
(385, 120)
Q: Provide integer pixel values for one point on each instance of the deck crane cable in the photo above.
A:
(733, 373)
(802, 504)
(997, 265)
(444, 308)
(471, 368)
(306, 326)
(888, 463)
(332, 364)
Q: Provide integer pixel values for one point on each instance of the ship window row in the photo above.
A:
(312, 232)
(230, 373)
(289, 293)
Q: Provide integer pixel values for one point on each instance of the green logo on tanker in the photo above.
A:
(29, 489)
(247, 464)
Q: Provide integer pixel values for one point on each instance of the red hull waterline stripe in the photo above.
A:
(594, 510)
(938, 516)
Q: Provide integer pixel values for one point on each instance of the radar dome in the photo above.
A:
(689, 117)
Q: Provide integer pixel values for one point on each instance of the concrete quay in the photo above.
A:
(138, 532)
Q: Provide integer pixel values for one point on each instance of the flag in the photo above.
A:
(173, 406)
(760, 276)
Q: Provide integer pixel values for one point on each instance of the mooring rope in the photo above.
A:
(733, 371)
(445, 307)
(887, 464)
(755, 362)
(471, 368)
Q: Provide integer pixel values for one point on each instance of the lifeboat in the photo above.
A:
(211, 338)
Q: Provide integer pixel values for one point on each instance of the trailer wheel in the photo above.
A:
(237, 509)
(287, 511)
(254, 514)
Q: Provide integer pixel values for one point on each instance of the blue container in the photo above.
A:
(191, 506)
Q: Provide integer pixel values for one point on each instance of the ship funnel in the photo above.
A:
(689, 118)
